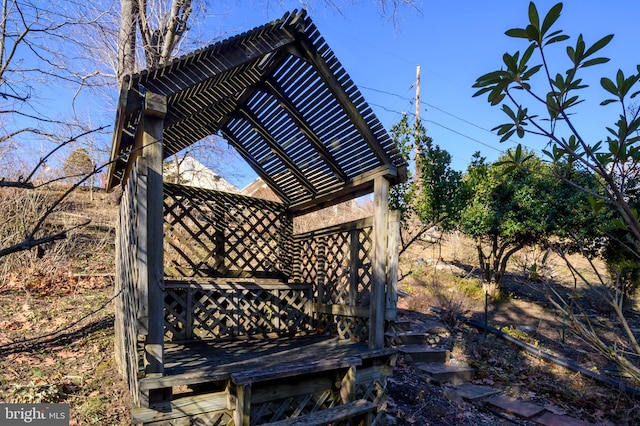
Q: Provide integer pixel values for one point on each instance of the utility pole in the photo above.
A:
(417, 124)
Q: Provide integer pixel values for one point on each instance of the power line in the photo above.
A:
(447, 113)
(440, 125)
(466, 136)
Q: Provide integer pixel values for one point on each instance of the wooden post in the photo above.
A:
(348, 385)
(392, 267)
(155, 108)
(242, 413)
(379, 262)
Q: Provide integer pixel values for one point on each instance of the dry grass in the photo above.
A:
(87, 249)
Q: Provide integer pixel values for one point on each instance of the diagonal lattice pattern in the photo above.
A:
(226, 310)
(337, 263)
(217, 234)
(292, 407)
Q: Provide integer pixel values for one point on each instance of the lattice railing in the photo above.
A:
(336, 261)
(218, 234)
(225, 309)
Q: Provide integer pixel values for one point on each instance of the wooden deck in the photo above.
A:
(200, 362)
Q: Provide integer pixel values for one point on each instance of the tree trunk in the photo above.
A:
(127, 39)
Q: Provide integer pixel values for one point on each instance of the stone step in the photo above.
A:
(472, 392)
(447, 373)
(412, 338)
(423, 354)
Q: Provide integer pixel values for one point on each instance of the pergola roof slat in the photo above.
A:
(280, 96)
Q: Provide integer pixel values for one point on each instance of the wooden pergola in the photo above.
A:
(224, 314)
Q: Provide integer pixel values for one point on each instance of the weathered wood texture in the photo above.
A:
(347, 412)
(281, 97)
(269, 379)
(336, 261)
(379, 260)
(150, 230)
(130, 320)
(221, 309)
(218, 234)
(283, 284)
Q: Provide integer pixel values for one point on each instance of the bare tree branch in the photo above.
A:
(30, 243)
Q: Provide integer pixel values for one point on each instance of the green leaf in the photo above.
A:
(510, 62)
(507, 110)
(620, 79)
(608, 101)
(517, 33)
(507, 136)
(482, 91)
(598, 45)
(595, 61)
(534, 18)
(614, 146)
(609, 86)
(495, 97)
(572, 101)
(533, 33)
(557, 39)
(530, 72)
(551, 17)
(525, 56)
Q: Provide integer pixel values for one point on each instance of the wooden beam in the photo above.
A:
(392, 267)
(155, 108)
(212, 62)
(379, 262)
(356, 187)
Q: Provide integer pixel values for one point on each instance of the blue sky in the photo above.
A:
(454, 43)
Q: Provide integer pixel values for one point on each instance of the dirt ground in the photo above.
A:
(77, 366)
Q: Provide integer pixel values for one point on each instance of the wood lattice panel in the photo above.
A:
(218, 234)
(351, 327)
(225, 310)
(287, 408)
(214, 418)
(336, 261)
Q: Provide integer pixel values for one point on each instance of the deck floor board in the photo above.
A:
(226, 357)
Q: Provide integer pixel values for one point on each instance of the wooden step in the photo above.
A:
(423, 354)
(447, 373)
(293, 369)
(182, 407)
(351, 410)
